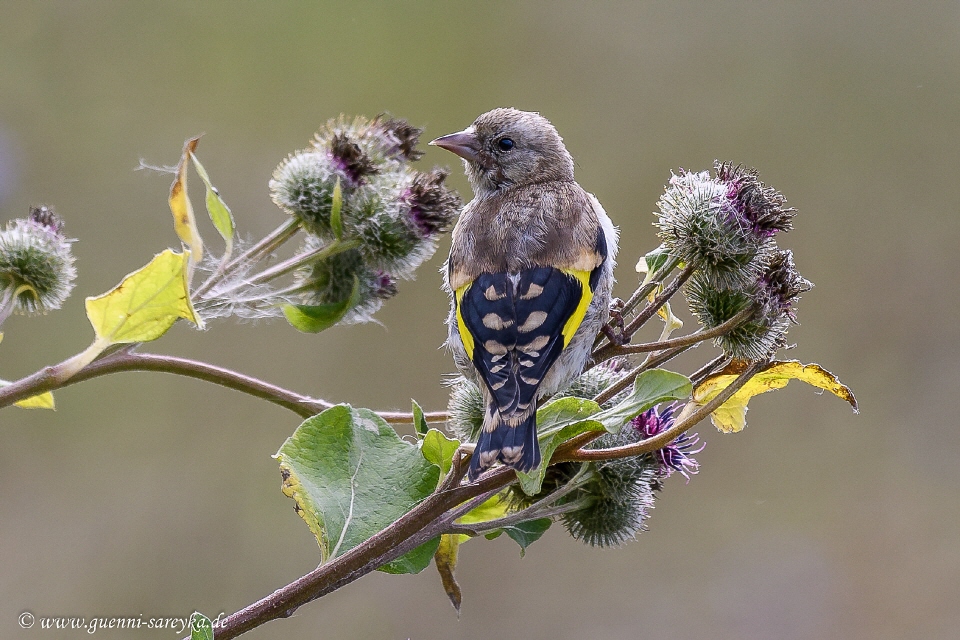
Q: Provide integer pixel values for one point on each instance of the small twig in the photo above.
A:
(613, 350)
(661, 299)
(399, 417)
(704, 371)
(539, 509)
(481, 528)
(303, 259)
(642, 292)
(267, 244)
(654, 360)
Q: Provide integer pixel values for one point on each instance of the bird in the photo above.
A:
(530, 276)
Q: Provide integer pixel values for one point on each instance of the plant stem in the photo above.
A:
(653, 360)
(663, 439)
(267, 244)
(421, 524)
(398, 417)
(642, 292)
(48, 379)
(612, 350)
(658, 302)
(303, 259)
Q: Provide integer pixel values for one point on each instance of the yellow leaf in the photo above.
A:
(146, 303)
(39, 401)
(184, 221)
(446, 561)
(731, 416)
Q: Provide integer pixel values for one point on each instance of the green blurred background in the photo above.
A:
(149, 494)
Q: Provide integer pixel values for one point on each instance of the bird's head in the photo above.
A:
(507, 147)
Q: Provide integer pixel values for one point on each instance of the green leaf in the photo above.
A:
(526, 533)
(649, 389)
(217, 209)
(336, 221)
(184, 222)
(351, 476)
(565, 418)
(557, 422)
(419, 422)
(146, 303)
(652, 262)
(316, 318)
(200, 627)
(437, 448)
(413, 561)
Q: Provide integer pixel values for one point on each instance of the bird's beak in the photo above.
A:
(464, 144)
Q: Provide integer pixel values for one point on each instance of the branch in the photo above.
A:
(654, 360)
(399, 417)
(658, 302)
(613, 350)
(663, 439)
(642, 292)
(423, 523)
(124, 360)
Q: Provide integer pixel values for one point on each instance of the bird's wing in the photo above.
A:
(515, 325)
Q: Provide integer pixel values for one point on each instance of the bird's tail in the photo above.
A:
(515, 445)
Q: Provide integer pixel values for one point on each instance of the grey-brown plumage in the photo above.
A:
(530, 272)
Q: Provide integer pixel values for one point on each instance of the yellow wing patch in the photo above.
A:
(465, 334)
(586, 297)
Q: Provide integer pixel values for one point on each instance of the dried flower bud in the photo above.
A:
(400, 137)
(758, 207)
(781, 285)
(36, 264)
(350, 159)
(431, 206)
(387, 143)
(773, 294)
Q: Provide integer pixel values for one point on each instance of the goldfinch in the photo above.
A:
(530, 275)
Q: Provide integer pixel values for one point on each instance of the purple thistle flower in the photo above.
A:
(384, 285)
(757, 207)
(432, 206)
(350, 159)
(676, 456)
(781, 285)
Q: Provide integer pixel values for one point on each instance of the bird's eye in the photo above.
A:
(505, 144)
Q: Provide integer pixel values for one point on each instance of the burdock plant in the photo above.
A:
(367, 220)
(36, 264)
